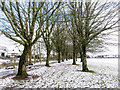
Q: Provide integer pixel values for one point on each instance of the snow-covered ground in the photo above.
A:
(8, 61)
(66, 75)
(2, 61)
(104, 65)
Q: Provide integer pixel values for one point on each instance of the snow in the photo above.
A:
(104, 65)
(66, 75)
(9, 61)
(4, 61)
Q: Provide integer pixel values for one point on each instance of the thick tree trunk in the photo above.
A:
(84, 61)
(48, 55)
(74, 56)
(30, 56)
(22, 63)
(84, 65)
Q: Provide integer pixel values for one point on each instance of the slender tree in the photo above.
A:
(50, 23)
(57, 39)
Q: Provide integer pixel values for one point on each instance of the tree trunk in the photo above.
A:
(66, 54)
(74, 61)
(62, 59)
(59, 57)
(39, 53)
(34, 54)
(30, 56)
(84, 61)
(62, 56)
(40, 57)
(81, 56)
(48, 55)
(14, 61)
(22, 63)
(74, 56)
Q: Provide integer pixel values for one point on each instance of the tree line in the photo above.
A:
(64, 27)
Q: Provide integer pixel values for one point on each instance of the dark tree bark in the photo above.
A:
(34, 54)
(22, 63)
(63, 53)
(48, 55)
(74, 53)
(58, 56)
(30, 56)
(62, 59)
(83, 58)
(66, 55)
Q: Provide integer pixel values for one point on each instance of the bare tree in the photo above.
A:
(22, 22)
(56, 39)
(90, 20)
(50, 23)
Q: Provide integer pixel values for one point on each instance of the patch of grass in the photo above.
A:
(90, 81)
(8, 64)
(58, 86)
(119, 80)
(62, 73)
(101, 82)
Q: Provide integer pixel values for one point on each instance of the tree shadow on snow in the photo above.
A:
(28, 78)
(90, 71)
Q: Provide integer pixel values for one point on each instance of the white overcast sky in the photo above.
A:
(111, 50)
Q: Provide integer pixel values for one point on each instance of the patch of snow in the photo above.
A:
(2, 61)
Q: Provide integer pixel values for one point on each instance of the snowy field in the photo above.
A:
(66, 75)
